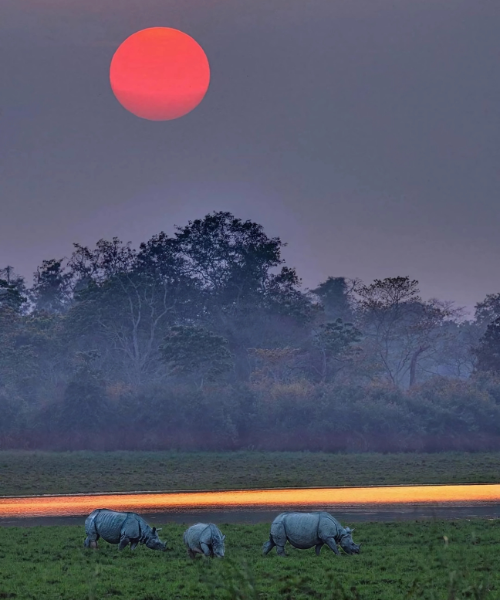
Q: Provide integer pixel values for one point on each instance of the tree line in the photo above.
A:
(206, 339)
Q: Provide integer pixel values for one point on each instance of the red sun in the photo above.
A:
(159, 74)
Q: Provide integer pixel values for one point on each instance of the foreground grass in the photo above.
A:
(86, 472)
(428, 559)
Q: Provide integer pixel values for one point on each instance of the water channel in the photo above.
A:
(252, 506)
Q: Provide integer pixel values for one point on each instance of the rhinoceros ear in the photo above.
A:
(154, 529)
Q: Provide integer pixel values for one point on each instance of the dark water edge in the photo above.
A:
(264, 515)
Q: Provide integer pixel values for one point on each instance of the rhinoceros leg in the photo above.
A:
(133, 546)
(191, 553)
(124, 542)
(330, 542)
(206, 550)
(278, 535)
(268, 546)
(318, 548)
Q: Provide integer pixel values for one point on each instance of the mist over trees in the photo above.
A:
(207, 340)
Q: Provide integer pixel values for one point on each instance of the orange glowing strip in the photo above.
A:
(80, 505)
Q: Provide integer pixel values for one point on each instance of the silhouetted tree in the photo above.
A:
(107, 259)
(488, 350)
(13, 294)
(247, 295)
(399, 327)
(196, 352)
(125, 316)
(336, 344)
(452, 355)
(51, 290)
(335, 295)
(488, 310)
(227, 256)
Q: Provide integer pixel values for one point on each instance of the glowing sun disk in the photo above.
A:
(159, 74)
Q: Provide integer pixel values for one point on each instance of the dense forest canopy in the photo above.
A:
(207, 339)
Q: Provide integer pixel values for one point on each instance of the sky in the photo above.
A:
(364, 133)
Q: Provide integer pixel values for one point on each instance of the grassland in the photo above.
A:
(24, 473)
(428, 559)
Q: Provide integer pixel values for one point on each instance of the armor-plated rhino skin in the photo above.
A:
(204, 538)
(305, 530)
(120, 528)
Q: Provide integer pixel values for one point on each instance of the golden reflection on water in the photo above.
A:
(144, 502)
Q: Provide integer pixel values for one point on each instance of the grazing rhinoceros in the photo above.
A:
(305, 530)
(120, 527)
(206, 539)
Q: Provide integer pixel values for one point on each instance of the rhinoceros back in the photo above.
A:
(110, 524)
(302, 529)
(194, 533)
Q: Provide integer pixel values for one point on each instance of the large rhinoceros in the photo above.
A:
(204, 538)
(305, 530)
(120, 528)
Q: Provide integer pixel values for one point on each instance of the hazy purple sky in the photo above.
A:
(365, 133)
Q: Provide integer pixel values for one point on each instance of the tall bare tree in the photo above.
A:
(400, 328)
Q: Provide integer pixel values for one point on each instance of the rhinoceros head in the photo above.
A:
(218, 546)
(153, 541)
(347, 543)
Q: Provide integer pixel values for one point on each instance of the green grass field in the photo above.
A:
(85, 472)
(448, 560)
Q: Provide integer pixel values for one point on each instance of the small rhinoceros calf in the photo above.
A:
(206, 539)
(305, 530)
(120, 528)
